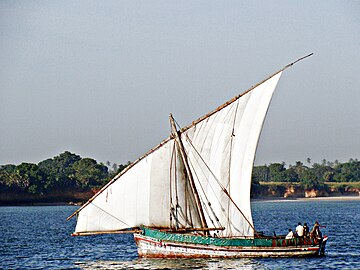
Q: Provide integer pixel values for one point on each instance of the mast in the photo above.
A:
(180, 146)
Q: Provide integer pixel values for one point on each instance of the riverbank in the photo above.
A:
(296, 191)
(265, 191)
(54, 198)
(281, 199)
(263, 199)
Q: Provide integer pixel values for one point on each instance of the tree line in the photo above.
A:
(70, 172)
(310, 176)
(65, 172)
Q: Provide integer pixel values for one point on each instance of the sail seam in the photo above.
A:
(230, 153)
(222, 187)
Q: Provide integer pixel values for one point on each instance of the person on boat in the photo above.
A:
(290, 234)
(300, 230)
(306, 230)
(315, 232)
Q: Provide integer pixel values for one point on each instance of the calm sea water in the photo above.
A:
(39, 238)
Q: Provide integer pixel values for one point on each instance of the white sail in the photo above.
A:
(140, 196)
(221, 148)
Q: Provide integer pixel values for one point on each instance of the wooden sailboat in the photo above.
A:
(190, 195)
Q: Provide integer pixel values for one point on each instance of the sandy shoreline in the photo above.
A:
(280, 199)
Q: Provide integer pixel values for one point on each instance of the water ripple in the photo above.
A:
(39, 238)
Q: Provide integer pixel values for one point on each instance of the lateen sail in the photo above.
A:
(220, 148)
(140, 196)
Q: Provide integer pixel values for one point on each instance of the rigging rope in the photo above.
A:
(110, 214)
(222, 208)
(170, 178)
(230, 154)
(177, 211)
(208, 201)
(219, 183)
(212, 188)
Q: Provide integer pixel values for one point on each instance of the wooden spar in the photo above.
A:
(242, 94)
(192, 229)
(106, 232)
(181, 230)
(188, 171)
(182, 130)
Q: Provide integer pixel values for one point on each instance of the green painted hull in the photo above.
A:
(155, 243)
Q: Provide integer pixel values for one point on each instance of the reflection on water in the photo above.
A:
(174, 264)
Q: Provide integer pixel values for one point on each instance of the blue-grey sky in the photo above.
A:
(99, 78)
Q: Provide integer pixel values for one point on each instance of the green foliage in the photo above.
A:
(10, 181)
(261, 174)
(309, 180)
(314, 177)
(290, 175)
(70, 172)
(60, 171)
(65, 172)
(88, 173)
(299, 167)
(10, 168)
(277, 172)
(324, 172)
(347, 172)
(32, 178)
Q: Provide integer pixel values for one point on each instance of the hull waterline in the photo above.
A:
(151, 247)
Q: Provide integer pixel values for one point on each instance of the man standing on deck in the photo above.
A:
(315, 232)
(300, 230)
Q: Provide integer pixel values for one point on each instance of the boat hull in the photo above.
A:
(151, 247)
